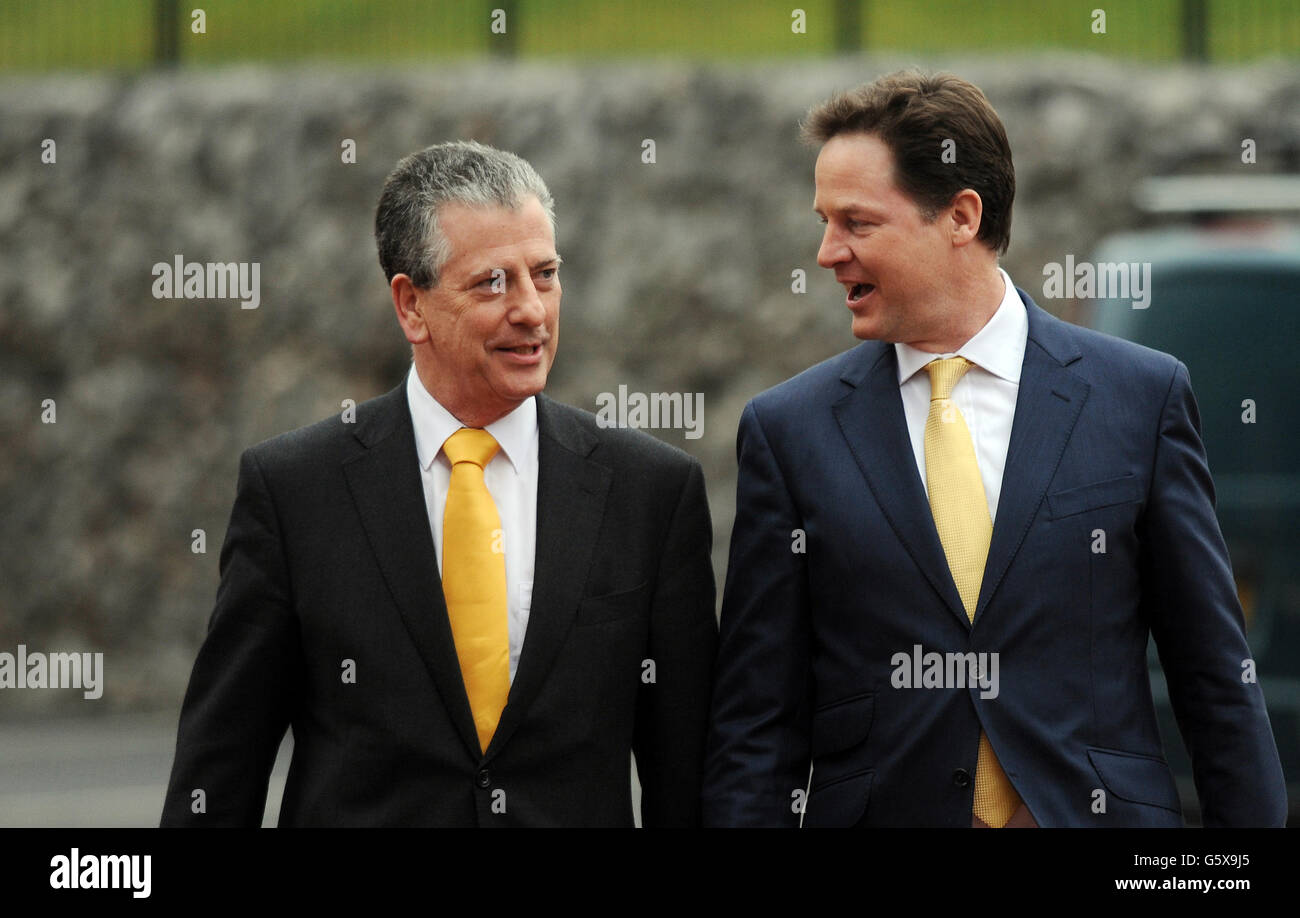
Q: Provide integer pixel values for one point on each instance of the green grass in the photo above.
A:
(117, 34)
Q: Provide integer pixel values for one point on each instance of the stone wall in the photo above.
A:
(677, 277)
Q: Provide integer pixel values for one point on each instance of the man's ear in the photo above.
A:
(410, 311)
(964, 215)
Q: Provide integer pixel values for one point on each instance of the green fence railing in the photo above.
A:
(137, 34)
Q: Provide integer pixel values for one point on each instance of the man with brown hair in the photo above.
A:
(952, 541)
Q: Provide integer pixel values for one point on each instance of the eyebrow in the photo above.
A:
(853, 207)
(486, 272)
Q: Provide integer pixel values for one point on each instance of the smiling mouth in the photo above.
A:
(859, 291)
(523, 350)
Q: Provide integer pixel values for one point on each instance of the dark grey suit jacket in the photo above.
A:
(329, 558)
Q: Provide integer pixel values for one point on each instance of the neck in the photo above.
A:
(969, 309)
(470, 415)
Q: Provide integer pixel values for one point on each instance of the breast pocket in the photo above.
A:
(1073, 501)
(616, 606)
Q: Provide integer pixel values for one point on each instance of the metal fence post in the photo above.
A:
(1196, 28)
(166, 33)
(505, 44)
(848, 26)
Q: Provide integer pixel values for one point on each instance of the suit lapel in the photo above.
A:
(871, 419)
(571, 490)
(389, 496)
(1047, 407)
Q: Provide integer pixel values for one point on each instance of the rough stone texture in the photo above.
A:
(677, 277)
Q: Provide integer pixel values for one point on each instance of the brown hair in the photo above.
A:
(913, 114)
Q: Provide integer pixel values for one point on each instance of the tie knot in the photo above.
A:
(944, 375)
(471, 444)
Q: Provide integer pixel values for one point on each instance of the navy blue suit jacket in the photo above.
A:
(836, 567)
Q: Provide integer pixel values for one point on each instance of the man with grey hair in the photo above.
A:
(473, 605)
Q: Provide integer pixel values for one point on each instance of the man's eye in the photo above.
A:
(548, 273)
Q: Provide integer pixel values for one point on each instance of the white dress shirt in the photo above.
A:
(511, 478)
(985, 395)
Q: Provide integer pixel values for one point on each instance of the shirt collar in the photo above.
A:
(434, 424)
(998, 347)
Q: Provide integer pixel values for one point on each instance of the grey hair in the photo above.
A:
(464, 172)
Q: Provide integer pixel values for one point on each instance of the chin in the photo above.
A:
(866, 330)
(519, 389)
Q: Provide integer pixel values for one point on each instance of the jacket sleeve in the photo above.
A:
(759, 753)
(673, 710)
(1190, 600)
(242, 689)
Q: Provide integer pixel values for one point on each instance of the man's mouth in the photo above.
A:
(523, 350)
(858, 291)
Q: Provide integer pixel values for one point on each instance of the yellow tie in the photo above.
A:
(961, 514)
(474, 579)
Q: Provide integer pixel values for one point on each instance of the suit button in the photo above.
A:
(961, 777)
(483, 779)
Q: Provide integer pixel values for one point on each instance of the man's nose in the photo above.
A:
(833, 251)
(526, 306)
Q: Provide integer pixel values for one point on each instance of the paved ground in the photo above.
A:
(105, 772)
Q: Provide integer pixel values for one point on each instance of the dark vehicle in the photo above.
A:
(1225, 299)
